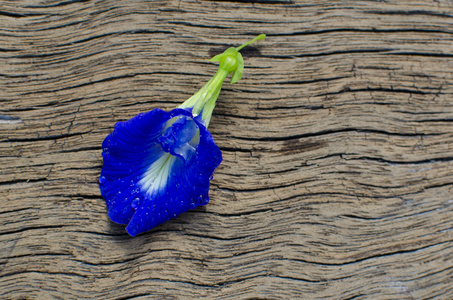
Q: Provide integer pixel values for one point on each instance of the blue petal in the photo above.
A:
(157, 165)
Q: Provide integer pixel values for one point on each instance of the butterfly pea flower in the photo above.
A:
(159, 164)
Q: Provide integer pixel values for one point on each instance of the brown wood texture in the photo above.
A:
(337, 178)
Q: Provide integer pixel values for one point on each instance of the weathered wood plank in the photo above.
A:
(337, 176)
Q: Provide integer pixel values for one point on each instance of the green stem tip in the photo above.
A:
(260, 37)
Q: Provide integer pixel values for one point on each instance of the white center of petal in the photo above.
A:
(155, 177)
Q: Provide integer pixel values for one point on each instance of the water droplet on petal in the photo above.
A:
(102, 179)
(135, 203)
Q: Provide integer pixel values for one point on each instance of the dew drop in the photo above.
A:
(135, 203)
(102, 179)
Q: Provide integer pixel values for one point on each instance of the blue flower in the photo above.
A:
(159, 164)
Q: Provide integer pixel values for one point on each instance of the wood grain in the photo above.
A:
(337, 178)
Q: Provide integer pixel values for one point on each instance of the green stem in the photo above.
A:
(208, 93)
(205, 99)
(260, 37)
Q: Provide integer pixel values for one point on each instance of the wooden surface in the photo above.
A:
(337, 179)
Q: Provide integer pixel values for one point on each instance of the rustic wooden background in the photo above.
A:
(337, 179)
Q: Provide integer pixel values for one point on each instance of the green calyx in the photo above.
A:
(230, 61)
